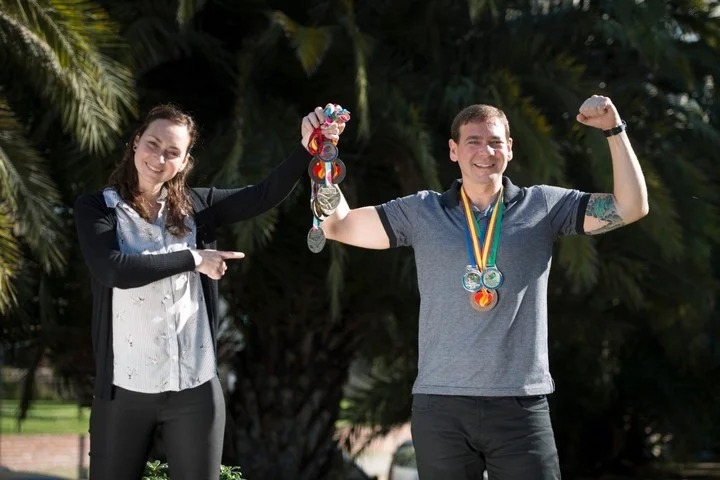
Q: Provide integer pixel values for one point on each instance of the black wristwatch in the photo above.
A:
(616, 130)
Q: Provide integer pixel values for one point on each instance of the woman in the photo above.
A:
(149, 242)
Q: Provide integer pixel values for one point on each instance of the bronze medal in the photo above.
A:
(317, 172)
(484, 300)
(316, 240)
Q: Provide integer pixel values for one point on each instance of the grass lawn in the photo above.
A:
(44, 417)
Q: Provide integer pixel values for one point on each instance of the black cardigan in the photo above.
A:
(109, 268)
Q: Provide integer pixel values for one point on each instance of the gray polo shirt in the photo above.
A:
(504, 351)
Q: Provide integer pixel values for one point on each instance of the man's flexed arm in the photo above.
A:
(629, 200)
(360, 227)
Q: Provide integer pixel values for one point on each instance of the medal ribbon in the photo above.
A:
(485, 255)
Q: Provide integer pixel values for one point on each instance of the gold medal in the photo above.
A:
(484, 299)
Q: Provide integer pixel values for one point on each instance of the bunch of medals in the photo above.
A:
(326, 171)
(482, 278)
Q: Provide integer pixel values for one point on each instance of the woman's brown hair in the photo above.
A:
(125, 178)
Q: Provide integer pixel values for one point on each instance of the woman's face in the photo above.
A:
(160, 153)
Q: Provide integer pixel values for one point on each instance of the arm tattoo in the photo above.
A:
(602, 207)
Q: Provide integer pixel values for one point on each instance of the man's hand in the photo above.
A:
(599, 112)
(212, 262)
(316, 119)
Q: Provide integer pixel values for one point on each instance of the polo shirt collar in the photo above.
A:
(451, 197)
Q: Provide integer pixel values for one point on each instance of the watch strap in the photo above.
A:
(615, 130)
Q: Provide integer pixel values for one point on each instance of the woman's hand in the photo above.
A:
(212, 262)
(316, 119)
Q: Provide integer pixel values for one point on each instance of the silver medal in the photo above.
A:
(327, 198)
(492, 278)
(316, 240)
(471, 279)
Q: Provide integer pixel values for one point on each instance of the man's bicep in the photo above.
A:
(601, 214)
(361, 227)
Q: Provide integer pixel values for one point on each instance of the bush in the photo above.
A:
(159, 471)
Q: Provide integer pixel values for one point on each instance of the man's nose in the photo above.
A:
(487, 150)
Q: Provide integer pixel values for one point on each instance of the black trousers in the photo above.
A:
(193, 423)
(458, 437)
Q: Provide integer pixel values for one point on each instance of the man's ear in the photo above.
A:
(510, 150)
(453, 150)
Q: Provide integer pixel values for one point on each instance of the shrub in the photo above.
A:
(159, 471)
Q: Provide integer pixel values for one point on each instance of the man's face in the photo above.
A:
(482, 152)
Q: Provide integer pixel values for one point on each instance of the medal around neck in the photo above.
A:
(472, 279)
(484, 300)
(316, 240)
(492, 278)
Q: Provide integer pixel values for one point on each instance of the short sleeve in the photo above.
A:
(566, 209)
(398, 217)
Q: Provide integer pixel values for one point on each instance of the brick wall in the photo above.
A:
(44, 451)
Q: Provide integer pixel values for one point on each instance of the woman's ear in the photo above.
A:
(185, 162)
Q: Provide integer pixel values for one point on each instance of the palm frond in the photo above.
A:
(538, 154)
(645, 28)
(578, 258)
(155, 37)
(335, 280)
(187, 9)
(30, 194)
(361, 51)
(57, 50)
(310, 43)
(10, 258)
(406, 141)
(664, 220)
(477, 7)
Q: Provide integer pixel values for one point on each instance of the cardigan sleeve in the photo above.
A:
(96, 228)
(233, 205)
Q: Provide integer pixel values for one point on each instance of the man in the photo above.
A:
(483, 251)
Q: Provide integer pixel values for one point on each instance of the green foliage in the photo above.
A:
(44, 416)
(634, 313)
(156, 470)
(58, 75)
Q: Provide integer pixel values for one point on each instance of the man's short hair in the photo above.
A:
(477, 113)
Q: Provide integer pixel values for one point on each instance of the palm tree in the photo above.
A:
(58, 82)
(299, 321)
(63, 94)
